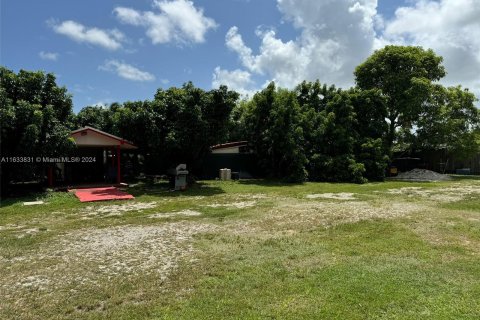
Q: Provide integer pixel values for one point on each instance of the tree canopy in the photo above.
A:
(35, 117)
(404, 75)
(449, 121)
(178, 126)
(314, 131)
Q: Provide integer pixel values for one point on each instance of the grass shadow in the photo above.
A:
(12, 200)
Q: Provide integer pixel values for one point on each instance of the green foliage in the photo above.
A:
(96, 117)
(273, 124)
(35, 117)
(404, 76)
(188, 121)
(315, 131)
(332, 132)
(422, 115)
(236, 124)
(178, 126)
(449, 121)
(371, 154)
(371, 128)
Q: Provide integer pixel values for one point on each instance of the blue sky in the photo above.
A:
(114, 51)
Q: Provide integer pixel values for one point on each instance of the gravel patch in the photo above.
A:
(422, 175)
(117, 209)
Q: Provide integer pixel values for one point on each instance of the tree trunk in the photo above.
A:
(391, 136)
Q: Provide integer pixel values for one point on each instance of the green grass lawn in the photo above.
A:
(246, 250)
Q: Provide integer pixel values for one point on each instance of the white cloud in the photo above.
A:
(126, 71)
(237, 80)
(451, 28)
(100, 104)
(335, 36)
(53, 56)
(235, 42)
(177, 21)
(108, 39)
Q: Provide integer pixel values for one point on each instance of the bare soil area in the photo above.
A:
(84, 257)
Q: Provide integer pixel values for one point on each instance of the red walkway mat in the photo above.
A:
(101, 194)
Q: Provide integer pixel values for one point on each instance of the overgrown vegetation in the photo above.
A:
(35, 120)
(315, 132)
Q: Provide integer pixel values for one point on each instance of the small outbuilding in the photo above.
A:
(236, 156)
(101, 157)
(230, 148)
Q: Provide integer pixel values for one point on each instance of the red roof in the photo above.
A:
(229, 145)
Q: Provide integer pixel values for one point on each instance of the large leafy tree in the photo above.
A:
(334, 157)
(449, 121)
(273, 124)
(35, 116)
(371, 129)
(404, 75)
(343, 132)
(190, 120)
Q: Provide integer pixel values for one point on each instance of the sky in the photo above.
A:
(124, 50)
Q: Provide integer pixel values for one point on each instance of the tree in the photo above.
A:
(178, 126)
(216, 112)
(371, 128)
(343, 132)
(35, 120)
(273, 123)
(334, 157)
(450, 121)
(237, 130)
(405, 76)
(96, 117)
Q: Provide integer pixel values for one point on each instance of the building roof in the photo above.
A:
(92, 137)
(229, 145)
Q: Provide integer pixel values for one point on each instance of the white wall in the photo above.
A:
(227, 150)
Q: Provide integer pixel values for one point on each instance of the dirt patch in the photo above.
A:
(249, 196)
(21, 231)
(334, 213)
(12, 226)
(188, 213)
(90, 256)
(422, 175)
(447, 194)
(232, 205)
(298, 215)
(336, 196)
(33, 282)
(117, 209)
(29, 232)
